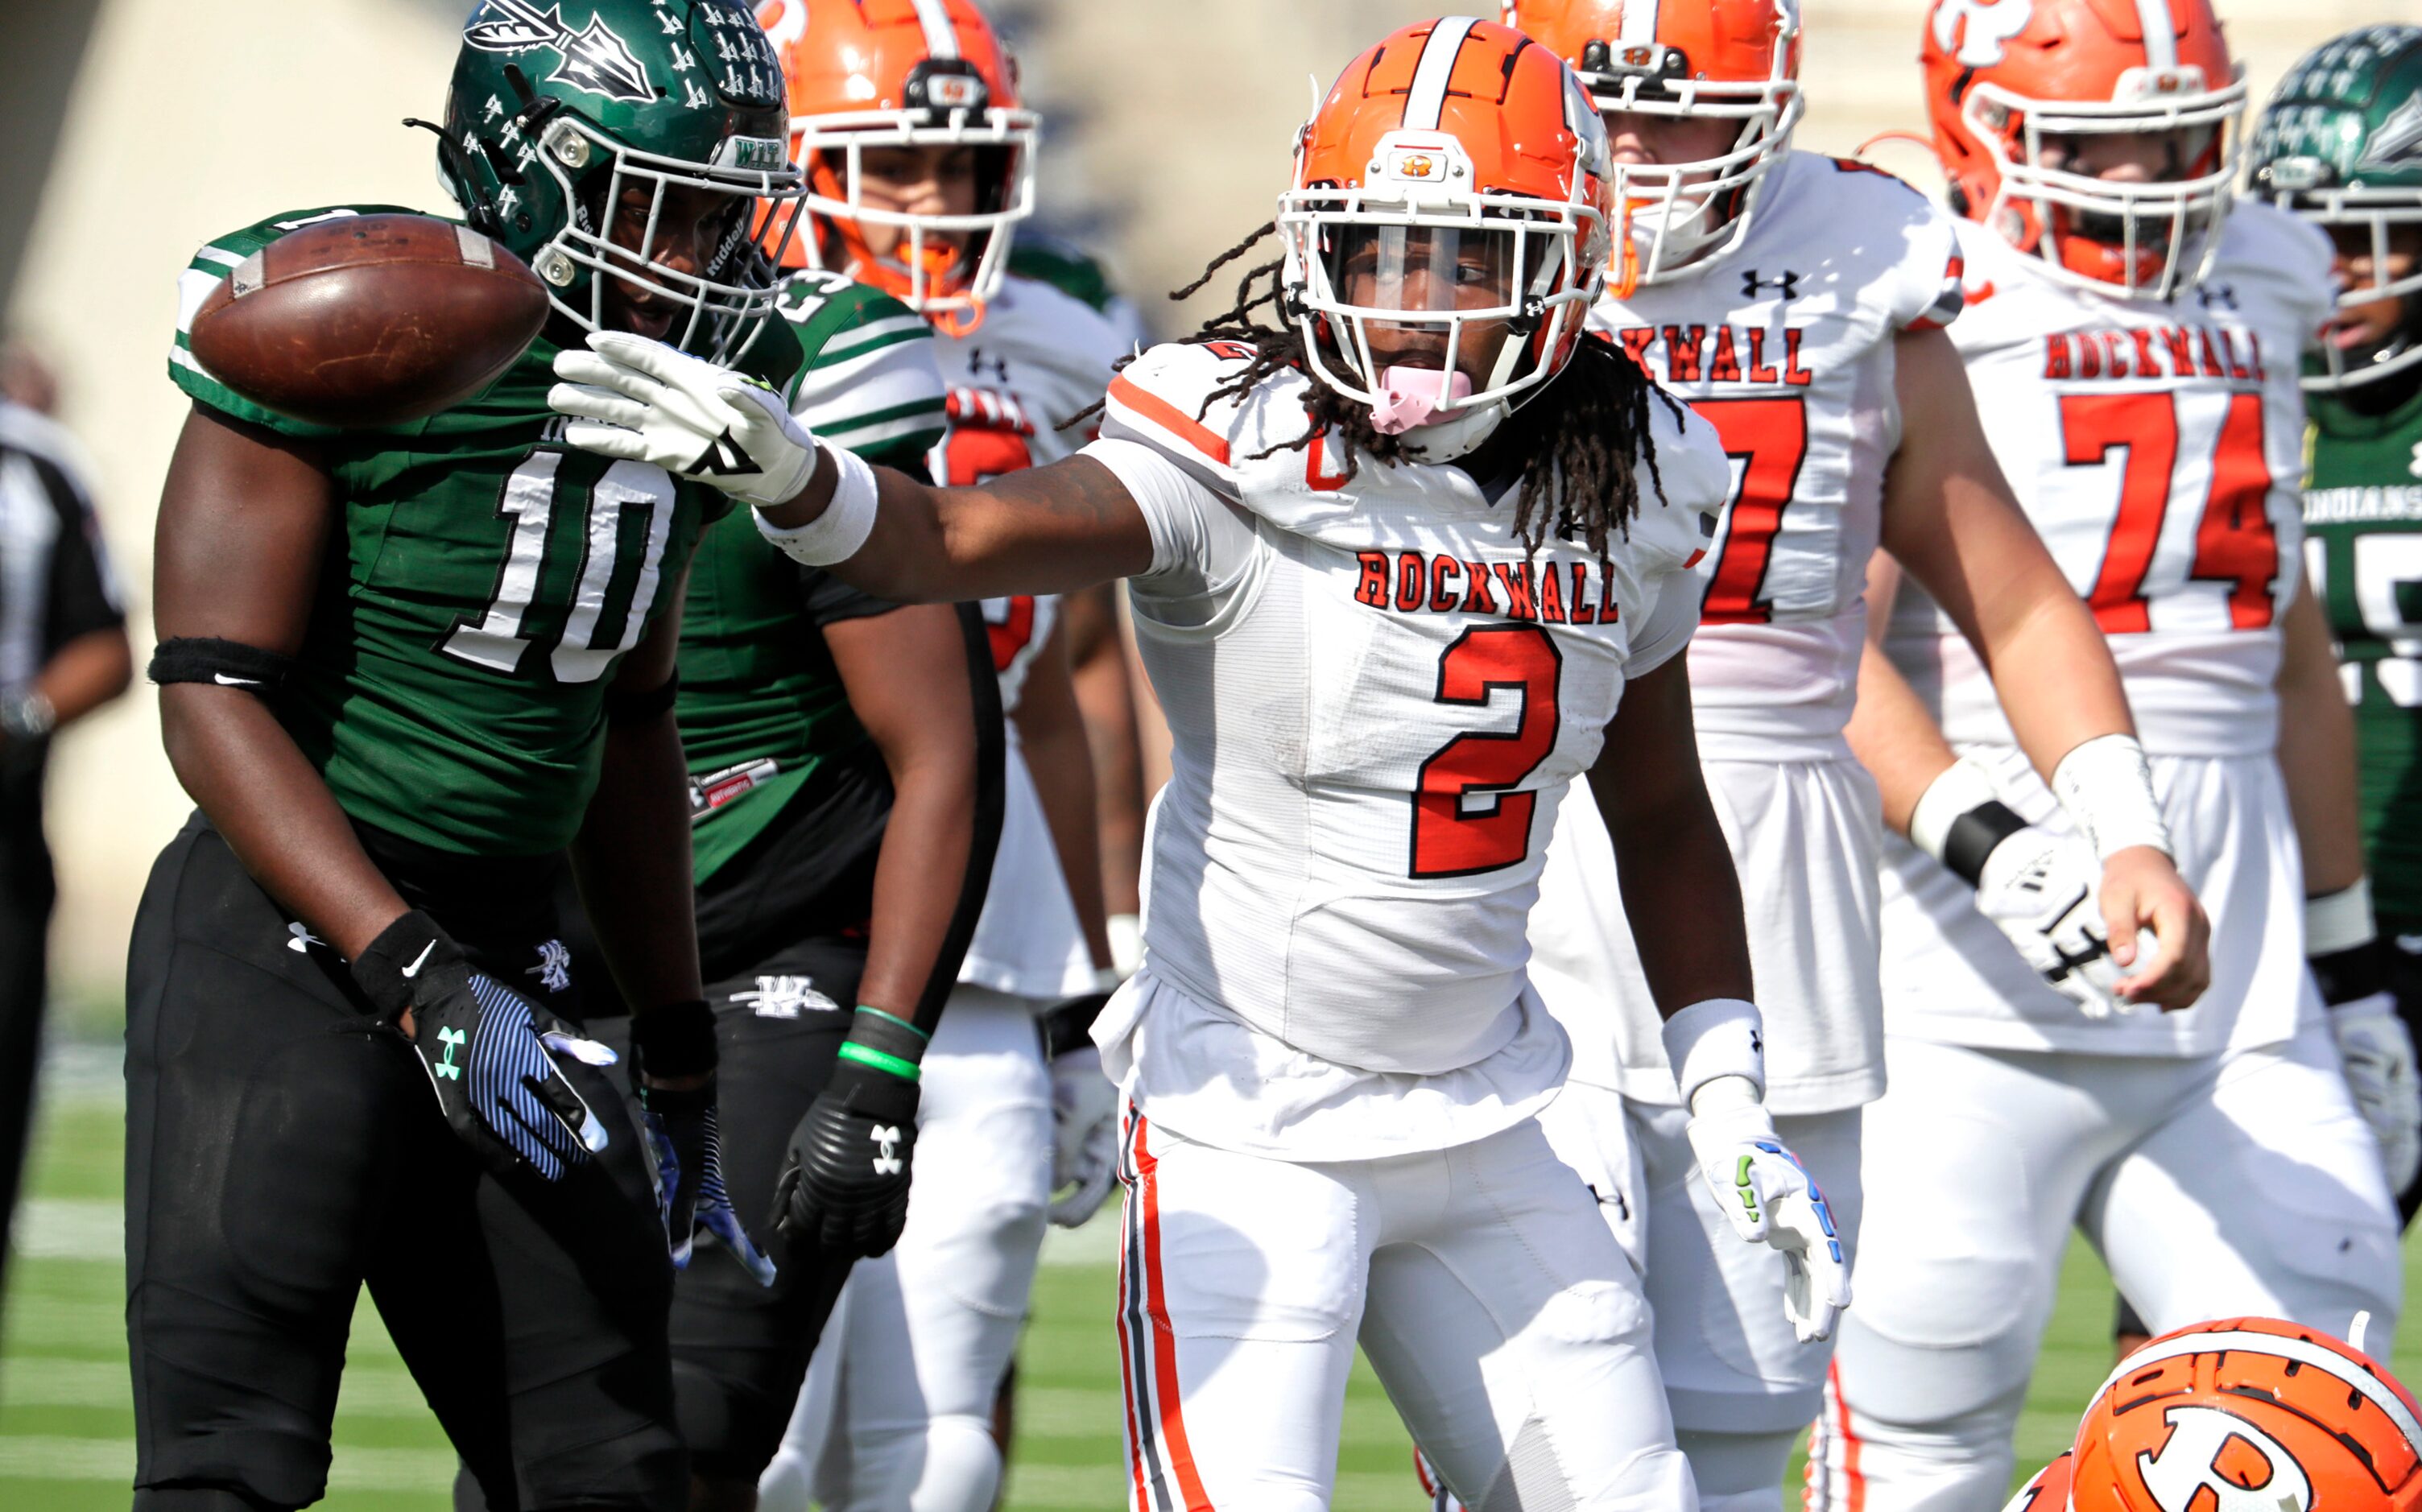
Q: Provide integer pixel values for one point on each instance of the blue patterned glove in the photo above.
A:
(486, 1051)
(690, 1194)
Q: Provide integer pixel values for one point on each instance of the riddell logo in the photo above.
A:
(2215, 1461)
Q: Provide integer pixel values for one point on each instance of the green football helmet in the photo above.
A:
(2340, 145)
(555, 113)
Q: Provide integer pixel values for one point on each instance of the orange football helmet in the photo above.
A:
(2009, 82)
(1726, 59)
(905, 74)
(2248, 1414)
(1459, 168)
(2047, 1490)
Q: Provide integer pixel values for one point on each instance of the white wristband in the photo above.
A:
(1717, 1037)
(1962, 786)
(2107, 789)
(2339, 921)
(835, 535)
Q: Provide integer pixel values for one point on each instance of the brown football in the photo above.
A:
(369, 319)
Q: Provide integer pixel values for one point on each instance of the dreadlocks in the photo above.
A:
(1587, 426)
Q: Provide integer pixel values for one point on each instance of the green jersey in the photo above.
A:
(2363, 524)
(762, 710)
(484, 585)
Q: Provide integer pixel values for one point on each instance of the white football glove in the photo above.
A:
(1772, 1198)
(1084, 1134)
(641, 400)
(2042, 890)
(2379, 1055)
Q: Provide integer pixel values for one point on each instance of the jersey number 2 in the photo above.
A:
(498, 638)
(1465, 818)
(2235, 542)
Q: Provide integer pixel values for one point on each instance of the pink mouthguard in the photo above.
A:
(1411, 397)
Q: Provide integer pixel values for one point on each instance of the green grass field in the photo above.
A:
(66, 1429)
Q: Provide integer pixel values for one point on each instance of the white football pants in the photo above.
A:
(1504, 1322)
(2214, 1187)
(1740, 1383)
(896, 1414)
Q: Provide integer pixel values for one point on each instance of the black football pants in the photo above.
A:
(279, 1154)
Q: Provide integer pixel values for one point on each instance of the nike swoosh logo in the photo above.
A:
(413, 970)
(224, 681)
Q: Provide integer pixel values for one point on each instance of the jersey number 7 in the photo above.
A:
(1467, 817)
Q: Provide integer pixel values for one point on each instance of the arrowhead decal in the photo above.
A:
(595, 58)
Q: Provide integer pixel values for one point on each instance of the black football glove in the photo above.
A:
(845, 1186)
(485, 1048)
(682, 1138)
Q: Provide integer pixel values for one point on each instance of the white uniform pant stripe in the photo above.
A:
(1639, 22)
(2162, 37)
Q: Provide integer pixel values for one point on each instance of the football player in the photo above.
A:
(2239, 1412)
(2133, 343)
(2340, 145)
(1799, 302)
(919, 158)
(403, 670)
(1407, 555)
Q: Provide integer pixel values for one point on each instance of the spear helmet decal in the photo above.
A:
(594, 58)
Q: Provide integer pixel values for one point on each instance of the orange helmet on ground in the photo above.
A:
(873, 73)
(2047, 1491)
(2248, 1414)
(2011, 83)
(1456, 161)
(1725, 59)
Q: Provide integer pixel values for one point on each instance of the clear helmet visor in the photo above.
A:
(1420, 270)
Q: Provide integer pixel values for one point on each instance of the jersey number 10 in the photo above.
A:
(500, 636)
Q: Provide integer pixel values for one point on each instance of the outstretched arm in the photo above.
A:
(1050, 529)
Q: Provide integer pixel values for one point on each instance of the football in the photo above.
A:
(369, 321)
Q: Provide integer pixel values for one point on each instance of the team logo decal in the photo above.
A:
(2398, 139)
(1990, 24)
(594, 58)
(2242, 1468)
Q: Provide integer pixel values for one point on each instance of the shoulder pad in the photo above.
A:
(1165, 398)
(1696, 478)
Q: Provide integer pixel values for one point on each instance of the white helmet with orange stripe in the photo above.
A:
(1717, 60)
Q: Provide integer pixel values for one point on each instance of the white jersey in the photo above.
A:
(2157, 448)
(1376, 696)
(1038, 358)
(1786, 348)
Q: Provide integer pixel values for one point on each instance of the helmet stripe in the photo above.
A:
(2304, 1351)
(1427, 99)
(2162, 36)
(940, 39)
(1638, 21)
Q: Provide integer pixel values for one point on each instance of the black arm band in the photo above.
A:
(1068, 1026)
(227, 663)
(676, 1040)
(2345, 975)
(623, 708)
(1973, 835)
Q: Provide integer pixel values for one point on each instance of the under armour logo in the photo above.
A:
(2217, 295)
(453, 1039)
(1757, 1043)
(886, 1158)
(785, 997)
(2244, 1469)
(300, 940)
(979, 364)
(1752, 283)
(725, 458)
